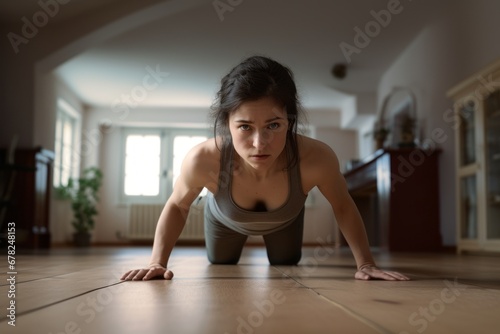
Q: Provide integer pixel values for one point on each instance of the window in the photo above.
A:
(142, 165)
(152, 161)
(67, 159)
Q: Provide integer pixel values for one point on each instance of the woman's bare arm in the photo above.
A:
(332, 185)
(194, 172)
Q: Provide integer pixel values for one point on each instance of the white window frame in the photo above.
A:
(167, 136)
(171, 135)
(127, 199)
(65, 112)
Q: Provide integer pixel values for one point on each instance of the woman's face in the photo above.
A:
(258, 130)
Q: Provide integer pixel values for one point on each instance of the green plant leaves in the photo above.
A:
(83, 194)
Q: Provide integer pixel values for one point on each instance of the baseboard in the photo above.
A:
(449, 249)
(139, 243)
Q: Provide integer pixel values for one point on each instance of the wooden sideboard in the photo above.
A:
(28, 201)
(397, 194)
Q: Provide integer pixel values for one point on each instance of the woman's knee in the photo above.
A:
(285, 260)
(223, 258)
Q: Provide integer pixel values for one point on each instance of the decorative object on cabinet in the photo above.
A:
(380, 134)
(477, 140)
(400, 120)
(407, 128)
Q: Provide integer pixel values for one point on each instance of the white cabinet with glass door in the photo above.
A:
(477, 135)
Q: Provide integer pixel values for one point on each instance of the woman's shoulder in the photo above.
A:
(204, 153)
(318, 162)
(200, 167)
(311, 149)
(316, 156)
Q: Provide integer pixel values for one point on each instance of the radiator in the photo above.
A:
(144, 217)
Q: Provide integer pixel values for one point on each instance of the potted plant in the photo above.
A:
(83, 194)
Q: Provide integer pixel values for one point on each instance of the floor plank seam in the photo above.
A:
(355, 315)
(347, 310)
(31, 280)
(22, 313)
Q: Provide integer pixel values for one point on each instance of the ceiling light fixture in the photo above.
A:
(339, 70)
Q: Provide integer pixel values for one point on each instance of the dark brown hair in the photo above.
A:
(255, 78)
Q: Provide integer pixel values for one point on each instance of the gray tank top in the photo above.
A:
(248, 222)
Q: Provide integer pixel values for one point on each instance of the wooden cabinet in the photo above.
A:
(28, 202)
(477, 138)
(397, 194)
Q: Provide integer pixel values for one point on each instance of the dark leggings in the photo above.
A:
(224, 245)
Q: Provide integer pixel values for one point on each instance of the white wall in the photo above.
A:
(443, 54)
(60, 210)
(16, 95)
(366, 105)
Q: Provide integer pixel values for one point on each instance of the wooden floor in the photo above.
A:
(79, 291)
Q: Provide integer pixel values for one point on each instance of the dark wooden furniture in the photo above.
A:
(28, 202)
(397, 194)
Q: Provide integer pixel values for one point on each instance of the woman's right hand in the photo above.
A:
(154, 271)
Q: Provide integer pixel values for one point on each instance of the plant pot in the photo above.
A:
(81, 239)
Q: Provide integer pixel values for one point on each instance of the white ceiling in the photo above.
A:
(196, 48)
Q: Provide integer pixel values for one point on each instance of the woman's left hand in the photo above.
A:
(372, 272)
